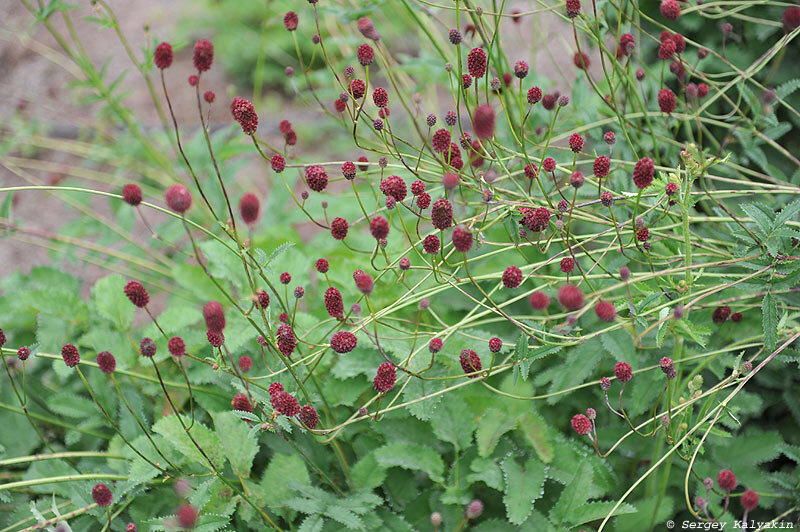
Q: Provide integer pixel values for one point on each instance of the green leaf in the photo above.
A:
(651, 510)
(761, 215)
(536, 432)
(618, 344)
(111, 301)
(367, 473)
(312, 523)
(493, 424)
(5, 208)
(787, 88)
(450, 425)
(283, 470)
(487, 471)
(411, 456)
(574, 495)
(769, 319)
(592, 511)
(171, 429)
(523, 486)
(749, 449)
(239, 447)
(418, 388)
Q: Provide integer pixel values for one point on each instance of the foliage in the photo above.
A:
(690, 281)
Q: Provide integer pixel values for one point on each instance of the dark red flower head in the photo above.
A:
(395, 187)
(576, 142)
(163, 55)
(512, 277)
(726, 480)
(343, 342)
(476, 62)
(581, 424)
(442, 214)
(495, 345)
(316, 177)
(534, 95)
(261, 298)
(102, 495)
(435, 345)
(132, 194)
(322, 265)
(349, 170)
(626, 44)
(570, 297)
(147, 347)
(214, 316)
(483, 121)
(666, 50)
(275, 387)
(606, 198)
(440, 140)
(309, 417)
(187, 515)
(567, 264)
(245, 363)
(290, 21)
(357, 88)
(215, 339)
(470, 362)
(643, 172)
(70, 355)
(521, 69)
(380, 97)
(286, 339)
(364, 282)
(176, 346)
(605, 310)
(573, 8)
(623, 371)
(339, 228)
(106, 362)
(539, 300)
(194, 80)
(178, 198)
(385, 378)
(333, 302)
(466, 81)
(23, 352)
(581, 60)
(365, 54)
(203, 55)
(137, 294)
(670, 9)
(666, 101)
(285, 404)
(721, 314)
(379, 227)
(249, 207)
(749, 500)
(791, 18)
(241, 402)
(462, 239)
(601, 166)
(536, 219)
(244, 113)
(278, 163)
